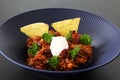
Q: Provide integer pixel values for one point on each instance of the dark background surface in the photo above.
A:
(106, 8)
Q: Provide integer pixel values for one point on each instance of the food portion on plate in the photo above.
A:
(62, 49)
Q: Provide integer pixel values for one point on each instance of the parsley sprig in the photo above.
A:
(33, 49)
(86, 39)
(69, 36)
(47, 37)
(75, 51)
(53, 61)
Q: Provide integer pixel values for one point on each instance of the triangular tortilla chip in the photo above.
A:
(35, 29)
(64, 26)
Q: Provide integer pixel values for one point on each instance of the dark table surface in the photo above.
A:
(106, 8)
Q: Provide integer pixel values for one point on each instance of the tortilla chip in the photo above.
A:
(35, 29)
(64, 26)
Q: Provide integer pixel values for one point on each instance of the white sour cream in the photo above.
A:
(58, 44)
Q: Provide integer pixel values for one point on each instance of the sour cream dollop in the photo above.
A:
(58, 44)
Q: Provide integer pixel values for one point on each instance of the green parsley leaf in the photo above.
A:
(47, 37)
(69, 36)
(86, 39)
(75, 51)
(53, 61)
(33, 49)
